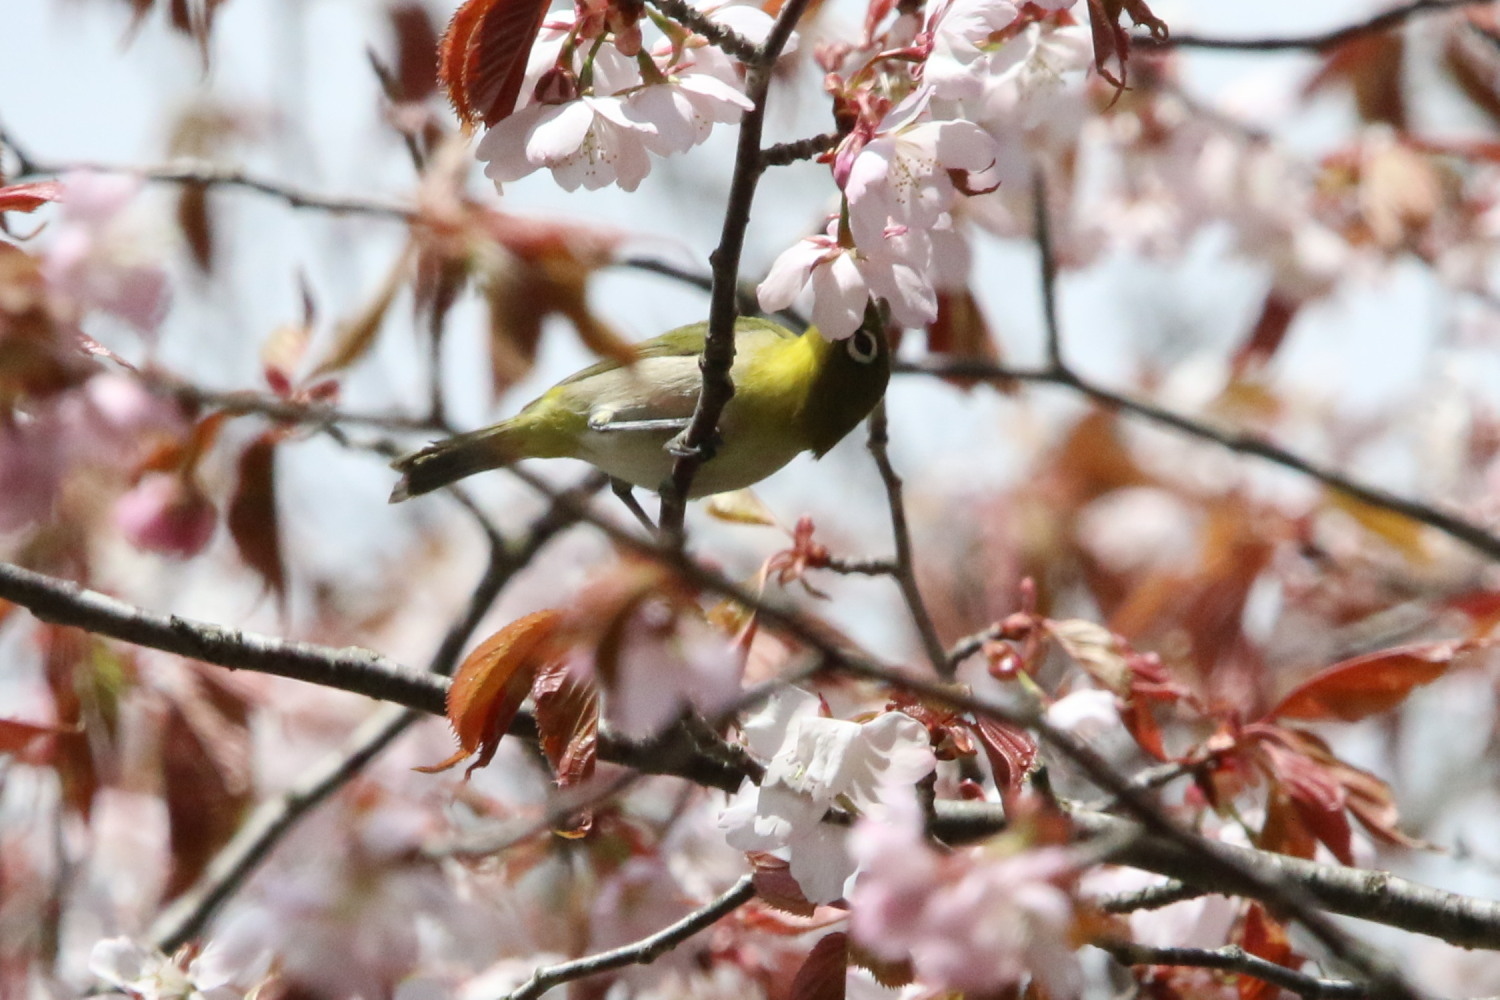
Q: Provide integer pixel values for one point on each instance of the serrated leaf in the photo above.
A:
(1265, 938)
(775, 886)
(482, 57)
(1011, 752)
(491, 684)
(824, 973)
(1096, 649)
(567, 721)
(1368, 685)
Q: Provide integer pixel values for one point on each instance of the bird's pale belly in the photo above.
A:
(640, 458)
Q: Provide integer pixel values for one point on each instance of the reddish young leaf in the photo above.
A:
(196, 223)
(823, 975)
(1264, 937)
(775, 886)
(1370, 684)
(1011, 752)
(482, 57)
(1372, 66)
(28, 741)
(1111, 40)
(1266, 336)
(206, 783)
(252, 513)
(491, 684)
(29, 197)
(1315, 794)
(416, 50)
(567, 719)
(890, 974)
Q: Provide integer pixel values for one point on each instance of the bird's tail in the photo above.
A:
(444, 462)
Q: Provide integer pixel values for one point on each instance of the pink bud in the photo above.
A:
(165, 513)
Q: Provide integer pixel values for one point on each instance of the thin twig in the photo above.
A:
(971, 644)
(717, 34)
(642, 952)
(694, 446)
(214, 176)
(1384, 21)
(905, 571)
(1467, 532)
(1042, 223)
(861, 567)
(1152, 897)
(1233, 958)
(782, 154)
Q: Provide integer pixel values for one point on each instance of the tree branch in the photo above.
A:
(694, 446)
(642, 952)
(904, 570)
(1322, 41)
(1233, 958)
(211, 175)
(1243, 443)
(350, 669)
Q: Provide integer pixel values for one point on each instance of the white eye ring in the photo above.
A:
(862, 346)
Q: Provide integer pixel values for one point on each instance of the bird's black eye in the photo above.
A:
(862, 346)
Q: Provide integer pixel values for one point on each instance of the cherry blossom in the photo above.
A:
(146, 974)
(167, 513)
(815, 764)
(903, 176)
(590, 142)
(842, 279)
(684, 110)
(968, 920)
(94, 261)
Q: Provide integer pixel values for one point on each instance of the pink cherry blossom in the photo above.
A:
(168, 514)
(590, 142)
(684, 110)
(968, 921)
(841, 280)
(818, 763)
(959, 30)
(146, 974)
(901, 177)
(93, 262)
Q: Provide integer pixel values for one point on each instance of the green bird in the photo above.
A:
(793, 393)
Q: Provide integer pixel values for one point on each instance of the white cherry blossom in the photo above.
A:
(590, 142)
(819, 763)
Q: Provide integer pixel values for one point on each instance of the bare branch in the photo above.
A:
(695, 445)
(785, 153)
(1152, 897)
(719, 35)
(350, 669)
(905, 571)
(1455, 527)
(1322, 41)
(211, 175)
(1232, 958)
(642, 952)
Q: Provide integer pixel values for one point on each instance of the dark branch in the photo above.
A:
(212, 176)
(642, 952)
(351, 669)
(1384, 21)
(693, 446)
(905, 571)
(1232, 958)
(1243, 443)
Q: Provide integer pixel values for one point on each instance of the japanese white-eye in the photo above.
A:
(792, 393)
